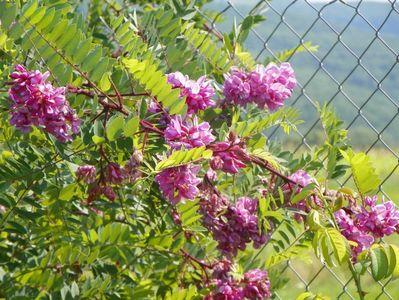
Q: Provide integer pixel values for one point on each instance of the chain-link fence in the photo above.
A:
(355, 68)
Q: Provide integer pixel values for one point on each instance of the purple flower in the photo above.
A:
(228, 156)
(221, 269)
(115, 173)
(96, 191)
(353, 233)
(38, 103)
(364, 224)
(198, 93)
(87, 173)
(108, 192)
(268, 86)
(155, 108)
(302, 178)
(379, 220)
(272, 85)
(228, 291)
(257, 284)
(181, 134)
(232, 226)
(236, 87)
(179, 183)
(130, 170)
(177, 79)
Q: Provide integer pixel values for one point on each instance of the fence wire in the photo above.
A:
(293, 23)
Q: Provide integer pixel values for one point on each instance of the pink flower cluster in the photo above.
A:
(198, 93)
(182, 134)
(131, 171)
(229, 156)
(268, 86)
(255, 284)
(363, 224)
(113, 174)
(96, 191)
(232, 225)
(87, 173)
(179, 183)
(37, 102)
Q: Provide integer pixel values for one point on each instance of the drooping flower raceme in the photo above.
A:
(353, 233)
(198, 93)
(268, 86)
(87, 173)
(130, 170)
(232, 225)
(236, 87)
(272, 85)
(364, 224)
(96, 191)
(378, 219)
(228, 156)
(115, 173)
(182, 134)
(36, 102)
(254, 285)
(179, 183)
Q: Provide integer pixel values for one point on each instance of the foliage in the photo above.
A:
(121, 213)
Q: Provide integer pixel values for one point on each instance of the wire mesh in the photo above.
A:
(292, 24)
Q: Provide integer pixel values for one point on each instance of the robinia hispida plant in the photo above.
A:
(134, 162)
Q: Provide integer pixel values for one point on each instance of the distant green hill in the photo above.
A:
(337, 60)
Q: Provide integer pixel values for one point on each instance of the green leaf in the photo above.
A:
(287, 116)
(394, 261)
(329, 241)
(379, 263)
(325, 244)
(313, 220)
(29, 8)
(162, 241)
(340, 245)
(155, 82)
(115, 127)
(98, 139)
(183, 157)
(305, 296)
(67, 192)
(38, 15)
(131, 126)
(363, 172)
(304, 193)
(74, 289)
(104, 83)
(286, 54)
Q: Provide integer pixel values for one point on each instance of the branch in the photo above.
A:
(200, 262)
(264, 164)
(150, 127)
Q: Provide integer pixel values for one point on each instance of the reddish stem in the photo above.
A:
(264, 164)
(200, 262)
(150, 127)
